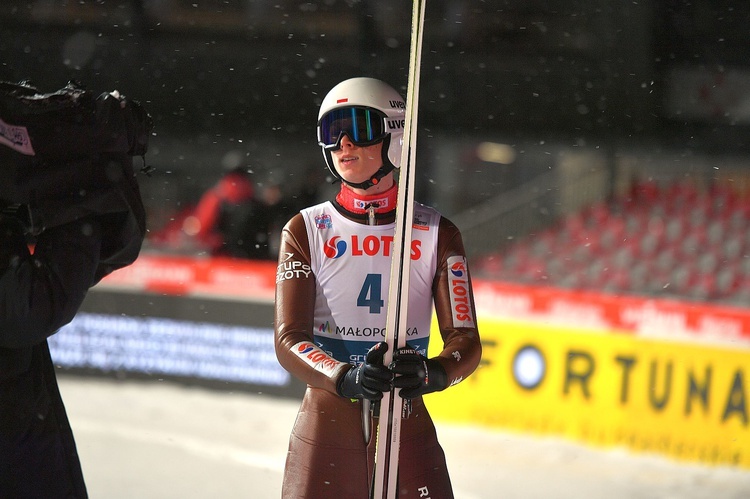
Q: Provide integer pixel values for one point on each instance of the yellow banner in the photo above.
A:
(688, 401)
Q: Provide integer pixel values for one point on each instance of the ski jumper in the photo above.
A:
(331, 302)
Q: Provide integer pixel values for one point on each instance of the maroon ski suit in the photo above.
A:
(328, 456)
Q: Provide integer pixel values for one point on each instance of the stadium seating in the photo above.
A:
(674, 241)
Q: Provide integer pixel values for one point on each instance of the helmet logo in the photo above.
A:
(396, 124)
(397, 104)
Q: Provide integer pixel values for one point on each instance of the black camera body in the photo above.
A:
(69, 154)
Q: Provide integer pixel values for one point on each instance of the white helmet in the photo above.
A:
(367, 111)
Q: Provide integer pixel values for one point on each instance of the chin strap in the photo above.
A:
(374, 180)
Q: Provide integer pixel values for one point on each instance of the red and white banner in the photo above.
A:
(588, 311)
(598, 312)
(179, 275)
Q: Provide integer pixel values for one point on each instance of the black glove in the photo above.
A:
(417, 375)
(368, 380)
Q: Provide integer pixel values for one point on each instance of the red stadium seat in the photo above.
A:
(675, 241)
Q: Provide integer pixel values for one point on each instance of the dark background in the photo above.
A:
(570, 67)
(544, 76)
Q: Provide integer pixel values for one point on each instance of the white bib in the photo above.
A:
(352, 266)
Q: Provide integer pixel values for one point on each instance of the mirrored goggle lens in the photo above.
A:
(362, 125)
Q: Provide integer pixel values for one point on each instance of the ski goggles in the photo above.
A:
(364, 126)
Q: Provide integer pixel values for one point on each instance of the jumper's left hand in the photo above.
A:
(416, 375)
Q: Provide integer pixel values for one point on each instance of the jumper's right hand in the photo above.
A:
(368, 380)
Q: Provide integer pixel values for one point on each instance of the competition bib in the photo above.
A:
(352, 264)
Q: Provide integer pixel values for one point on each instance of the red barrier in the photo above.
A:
(596, 312)
(179, 275)
(666, 319)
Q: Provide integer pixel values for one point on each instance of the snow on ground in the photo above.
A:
(160, 440)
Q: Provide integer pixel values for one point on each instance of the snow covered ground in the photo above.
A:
(159, 440)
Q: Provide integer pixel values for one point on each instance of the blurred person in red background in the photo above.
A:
(209, 220)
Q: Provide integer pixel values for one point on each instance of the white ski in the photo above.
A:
(391, 406)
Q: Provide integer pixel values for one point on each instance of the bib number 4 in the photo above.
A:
(371, 294)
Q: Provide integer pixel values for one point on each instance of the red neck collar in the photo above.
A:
(383, 202)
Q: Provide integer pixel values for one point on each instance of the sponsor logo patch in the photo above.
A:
(292, 269)
(379, 203)
(335, 247)
(419, 223)
(323, 221)
(316, 358)
(458, 287)
(371, 245)
(325, 327)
